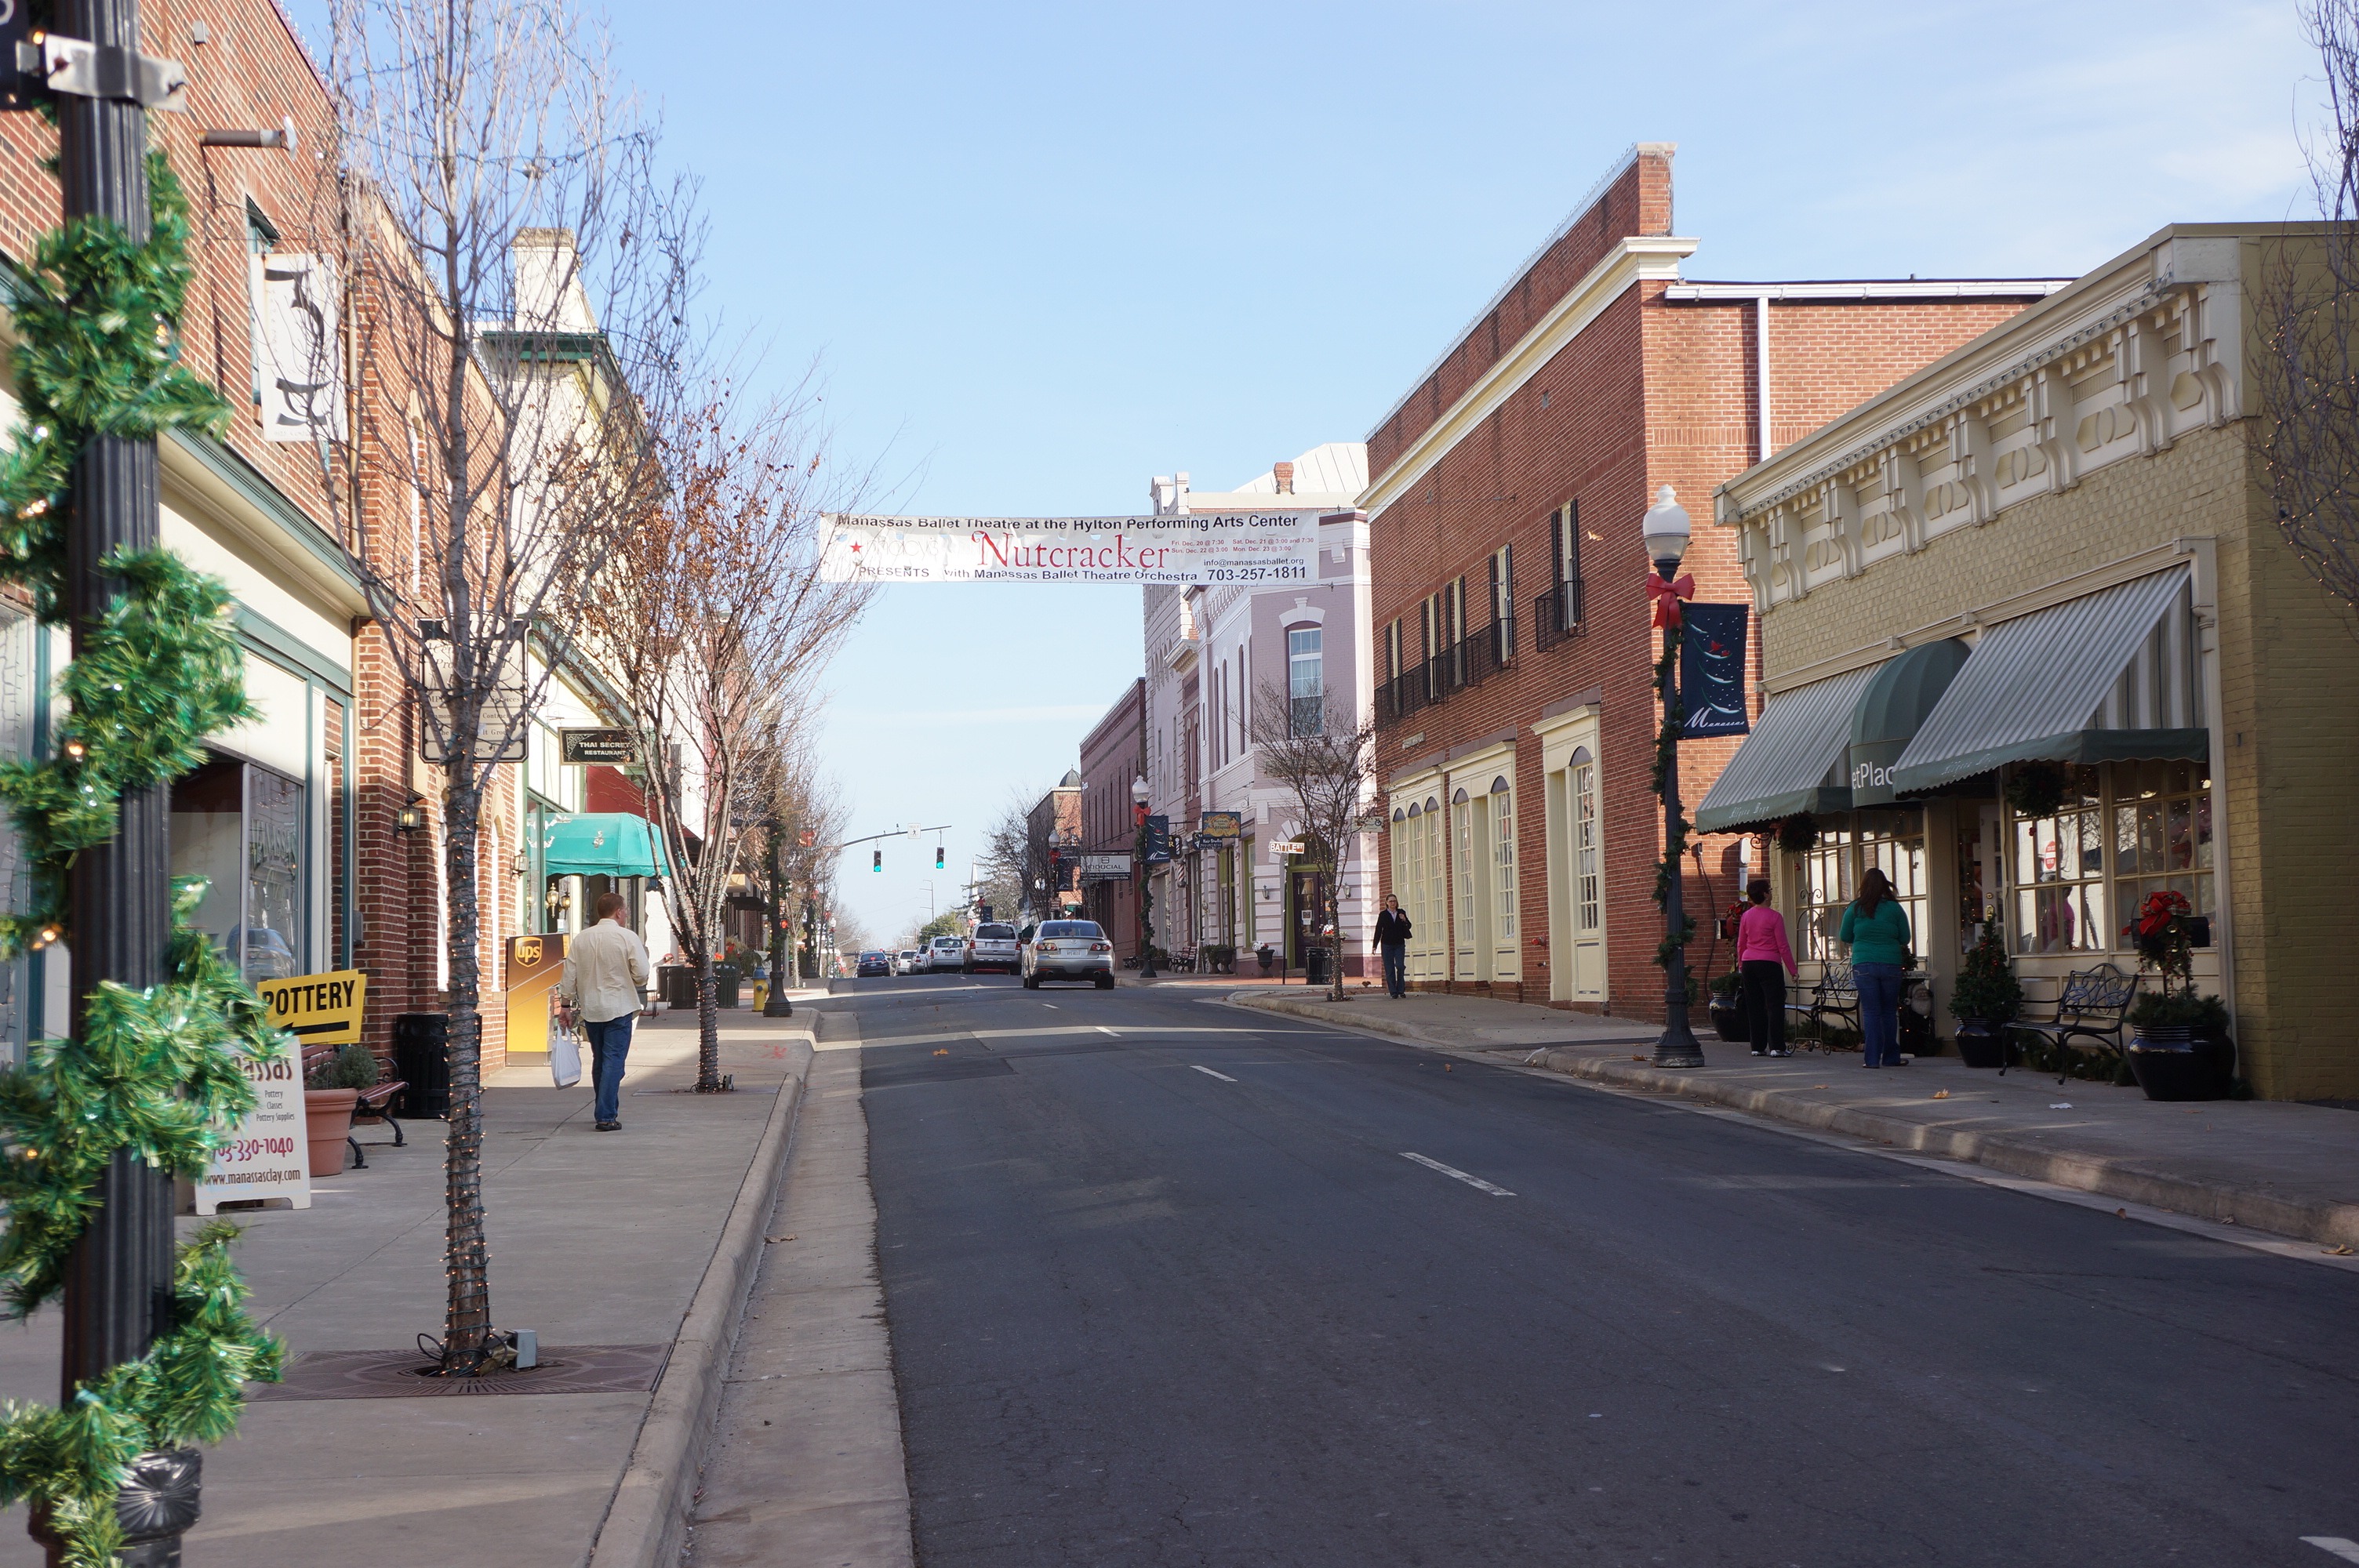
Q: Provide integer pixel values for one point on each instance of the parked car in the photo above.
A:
(1069, 950)
(876, 963)
(994, 947)
(945, 953)
(907, 961)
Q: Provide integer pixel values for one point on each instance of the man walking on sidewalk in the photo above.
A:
(605, 979)
(1392, 943)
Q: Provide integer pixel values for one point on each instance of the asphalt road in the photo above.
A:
(1212, 1289)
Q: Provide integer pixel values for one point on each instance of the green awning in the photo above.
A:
(602, 844)
(1793, 762)
(1892, 709)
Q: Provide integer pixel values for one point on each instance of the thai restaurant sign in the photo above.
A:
(1222, 548)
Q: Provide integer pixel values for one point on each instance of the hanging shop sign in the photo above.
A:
(1712, 670)
(1256, 548)
(318, 1010)
(266, 1155)
(607, 748)
(1105, 868)
(1217, 825)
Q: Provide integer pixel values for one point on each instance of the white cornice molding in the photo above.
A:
(1633, 260)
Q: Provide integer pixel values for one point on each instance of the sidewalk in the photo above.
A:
(2291, 1169)
(636, 1243)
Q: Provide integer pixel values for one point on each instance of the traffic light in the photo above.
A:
(938, 857)
(877, 864)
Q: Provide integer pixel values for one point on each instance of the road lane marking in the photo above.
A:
(2346, 1549)
(1103, 1030)
(1453, 1171)
(1210, 1074)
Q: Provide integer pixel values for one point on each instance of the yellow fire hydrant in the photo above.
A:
(761, 994)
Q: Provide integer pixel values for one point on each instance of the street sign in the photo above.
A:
(318, 1010)
(604, 748)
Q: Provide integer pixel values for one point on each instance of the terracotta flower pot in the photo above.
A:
(327, 1122)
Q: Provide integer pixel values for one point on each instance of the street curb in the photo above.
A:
(2332, 1224)
(646, 1523)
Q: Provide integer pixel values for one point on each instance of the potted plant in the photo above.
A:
(330, 1091)
(2180, 1047)
(1985, 999)
(1730, 1017)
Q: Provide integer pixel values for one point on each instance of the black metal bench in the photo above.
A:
(2091, 1005)
(1835, 995)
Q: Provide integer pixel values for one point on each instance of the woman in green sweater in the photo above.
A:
(1876, 930)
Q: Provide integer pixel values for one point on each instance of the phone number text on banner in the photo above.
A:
(1254, 549)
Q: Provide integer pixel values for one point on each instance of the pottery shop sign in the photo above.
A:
(318, 1010)
(1254, 549)
(266, 1155)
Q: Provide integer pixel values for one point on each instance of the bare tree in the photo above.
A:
(509, 265)
(708, 614)
(2307, 372)
(1016, 859)
(1324, 752)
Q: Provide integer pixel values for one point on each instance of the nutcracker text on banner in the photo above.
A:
(1255, 548)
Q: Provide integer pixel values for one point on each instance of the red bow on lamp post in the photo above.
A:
(1666, 595)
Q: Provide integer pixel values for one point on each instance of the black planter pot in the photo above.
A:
(2171, 1063)
(1728, 1018)
(1981, 1043)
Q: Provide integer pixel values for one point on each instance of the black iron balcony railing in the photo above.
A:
(1556, 615)
(1490, 650)
(1401, 696)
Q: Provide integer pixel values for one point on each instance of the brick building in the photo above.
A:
(1113, 755)
(1515, 710)
(2054, 550)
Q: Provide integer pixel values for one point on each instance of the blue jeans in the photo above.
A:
(1395, 969)
(1879, 1011)
(609, 1043)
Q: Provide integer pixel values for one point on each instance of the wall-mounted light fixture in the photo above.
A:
(412, 817)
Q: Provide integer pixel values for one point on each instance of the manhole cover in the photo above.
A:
(392, 1375)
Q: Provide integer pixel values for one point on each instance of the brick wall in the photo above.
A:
(1650, 393)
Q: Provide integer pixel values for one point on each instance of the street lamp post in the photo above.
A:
(1145, 927)
(1666, 530)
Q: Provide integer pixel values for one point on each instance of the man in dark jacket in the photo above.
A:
(1392, 941)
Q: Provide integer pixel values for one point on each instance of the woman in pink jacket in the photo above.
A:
(1766, 960)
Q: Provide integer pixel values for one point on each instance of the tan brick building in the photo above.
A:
(2053, 546)
(1514, 654)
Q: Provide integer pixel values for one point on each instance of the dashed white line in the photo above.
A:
(1454, 1171)
(1103, 1030)
(1210, 1074)
(2346, 1549)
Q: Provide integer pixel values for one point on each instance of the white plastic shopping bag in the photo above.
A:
(564, 1053)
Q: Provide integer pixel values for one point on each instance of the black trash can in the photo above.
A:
(1315, 965)
(421, 1059)
(725, 978)
(676, 983)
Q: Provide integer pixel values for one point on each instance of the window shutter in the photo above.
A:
(1556, 546)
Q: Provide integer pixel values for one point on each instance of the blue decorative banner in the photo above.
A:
(1158, 841)
(1712, 670)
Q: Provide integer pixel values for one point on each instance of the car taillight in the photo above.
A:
(1101, 946)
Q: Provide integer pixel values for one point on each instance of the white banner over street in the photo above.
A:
(1250, 547)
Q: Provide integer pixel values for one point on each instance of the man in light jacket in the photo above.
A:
(605, 979)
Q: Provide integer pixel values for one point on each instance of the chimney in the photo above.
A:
(1284, 474)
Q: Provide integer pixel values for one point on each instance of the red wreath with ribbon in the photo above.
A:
(1666, 595)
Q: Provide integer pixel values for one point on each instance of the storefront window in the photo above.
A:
(2059, 874)
(241, 828)
(2162, 833)
(1893, 840)
(1824, 881)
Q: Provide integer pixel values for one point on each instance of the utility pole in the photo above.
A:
(118, 1285)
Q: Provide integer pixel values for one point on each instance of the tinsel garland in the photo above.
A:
(1675, 825)
(156, 1072)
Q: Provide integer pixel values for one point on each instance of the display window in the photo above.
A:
(240, 826)
(2124, 830)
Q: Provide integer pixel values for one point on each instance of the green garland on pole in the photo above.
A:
(157, 1071)
(1675, 823)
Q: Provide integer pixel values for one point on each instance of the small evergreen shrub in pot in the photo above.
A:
(1985, 1000)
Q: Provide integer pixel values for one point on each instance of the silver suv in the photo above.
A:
(945, 953)
(1069, 950)
(993, 948)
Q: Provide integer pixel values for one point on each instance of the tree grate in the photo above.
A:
(394, 1375)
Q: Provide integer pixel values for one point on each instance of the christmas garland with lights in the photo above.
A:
(156, 1072)
(1675, 825)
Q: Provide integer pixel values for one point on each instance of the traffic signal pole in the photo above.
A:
(118, 1285)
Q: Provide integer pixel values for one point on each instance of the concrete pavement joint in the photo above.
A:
(646, 1524)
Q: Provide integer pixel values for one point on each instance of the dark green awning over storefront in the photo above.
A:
(1793, 762)
(1892, 709)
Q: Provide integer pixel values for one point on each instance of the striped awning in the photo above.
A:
(2099, 678)
(1794, 760)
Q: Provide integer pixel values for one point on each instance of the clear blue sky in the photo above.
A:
(1041, 252)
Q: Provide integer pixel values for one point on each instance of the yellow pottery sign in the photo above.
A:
(318, 1010)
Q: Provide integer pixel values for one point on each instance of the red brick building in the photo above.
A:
(1113, 756)
(1514, 651)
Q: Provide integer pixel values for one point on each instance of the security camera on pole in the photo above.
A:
(1666, 531)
